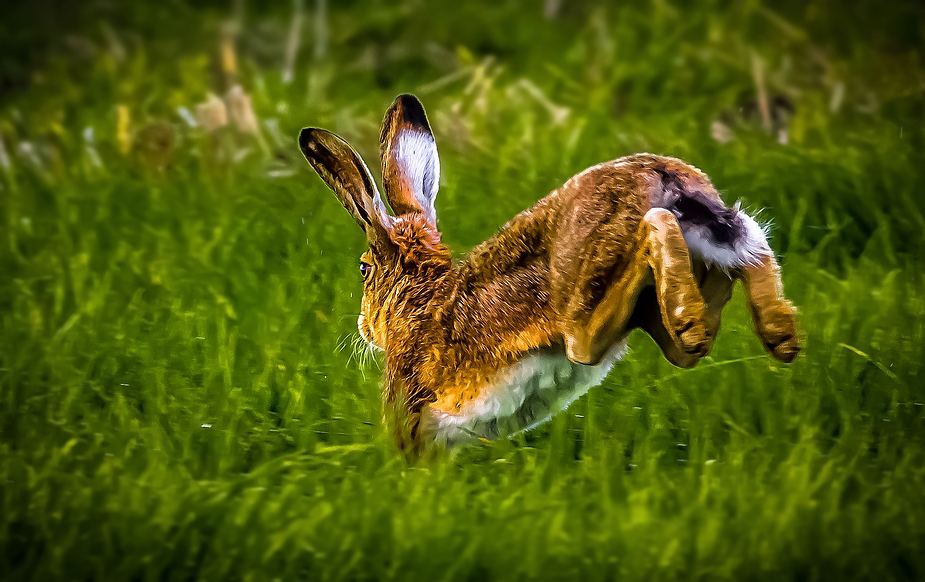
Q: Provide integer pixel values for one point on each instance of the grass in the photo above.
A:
(179, 398)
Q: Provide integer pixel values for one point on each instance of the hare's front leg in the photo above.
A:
(660, 249)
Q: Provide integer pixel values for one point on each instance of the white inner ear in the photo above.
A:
(417, 161)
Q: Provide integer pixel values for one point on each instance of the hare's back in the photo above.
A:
(600, 209)
(628, 187)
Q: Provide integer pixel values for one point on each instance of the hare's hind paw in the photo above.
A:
(776, 326)
(691, 333)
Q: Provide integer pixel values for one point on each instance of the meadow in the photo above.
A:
(181, 392)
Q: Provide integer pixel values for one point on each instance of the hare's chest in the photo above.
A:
(523, 396)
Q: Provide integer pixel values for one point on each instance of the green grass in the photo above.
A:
(176, 398)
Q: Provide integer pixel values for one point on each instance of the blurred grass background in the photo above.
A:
(179, 398)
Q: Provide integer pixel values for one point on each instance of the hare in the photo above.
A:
(539, 313)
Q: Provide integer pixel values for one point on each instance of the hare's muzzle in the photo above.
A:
(365, 331)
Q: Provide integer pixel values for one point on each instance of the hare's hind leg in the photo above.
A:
(772, 314)
(715, 286)
(660, 246)
(588, 335)
(684, 314)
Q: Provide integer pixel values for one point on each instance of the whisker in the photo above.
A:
(364, 363)
(371, 355)
(362, 348)
(355, 350)
(342, 343)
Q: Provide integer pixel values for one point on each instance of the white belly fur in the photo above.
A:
(524, 396)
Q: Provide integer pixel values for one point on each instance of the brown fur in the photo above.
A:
(581, 268)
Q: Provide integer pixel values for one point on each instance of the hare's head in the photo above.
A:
(405, 257)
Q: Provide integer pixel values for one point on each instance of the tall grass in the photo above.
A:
(179, 394)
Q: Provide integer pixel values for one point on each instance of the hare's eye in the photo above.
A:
(365, 268)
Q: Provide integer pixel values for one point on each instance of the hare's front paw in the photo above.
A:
(578, 348)
(776, 326)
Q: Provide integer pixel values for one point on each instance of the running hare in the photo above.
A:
(537, 314)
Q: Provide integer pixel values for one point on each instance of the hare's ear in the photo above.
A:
(410, 166)
(343, 170)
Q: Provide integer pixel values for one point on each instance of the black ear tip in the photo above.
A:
(409, 100)
(412, 110)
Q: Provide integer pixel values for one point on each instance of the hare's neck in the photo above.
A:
(498, 302)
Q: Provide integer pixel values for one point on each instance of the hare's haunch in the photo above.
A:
(539, 313)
